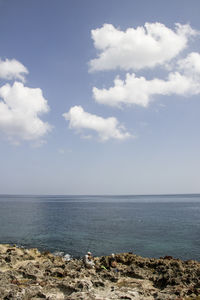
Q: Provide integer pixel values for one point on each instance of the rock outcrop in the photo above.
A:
(29, 274)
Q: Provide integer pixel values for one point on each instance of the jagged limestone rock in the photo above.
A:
(29, 274)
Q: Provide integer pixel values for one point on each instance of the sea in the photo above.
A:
(149, 225)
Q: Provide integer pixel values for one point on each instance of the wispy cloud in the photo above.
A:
(191, 64)
(12, 69)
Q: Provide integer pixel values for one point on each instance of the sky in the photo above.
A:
(99, 97)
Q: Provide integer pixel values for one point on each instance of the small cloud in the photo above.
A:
(12, 69)
(106, 128)
(86, 137)
(162, 105)
(143, 124)
(61, 151)
(38, 143)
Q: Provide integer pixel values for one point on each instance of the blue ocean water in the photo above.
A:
(150, 226)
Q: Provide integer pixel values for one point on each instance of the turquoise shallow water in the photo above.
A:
(150, 226)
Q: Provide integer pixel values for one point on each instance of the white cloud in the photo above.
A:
(191, 64)
(106, 128)
(61, 151)
(135, 49)
(19, 112)
(140, 91)
(12, 69)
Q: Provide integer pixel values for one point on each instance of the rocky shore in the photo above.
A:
(30, 274)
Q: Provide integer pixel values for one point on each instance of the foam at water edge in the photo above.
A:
(67, 257)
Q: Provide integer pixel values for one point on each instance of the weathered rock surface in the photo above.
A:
(29, 274)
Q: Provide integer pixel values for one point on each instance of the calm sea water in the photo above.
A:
(151, 226)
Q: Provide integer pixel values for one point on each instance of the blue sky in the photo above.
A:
(67, 128)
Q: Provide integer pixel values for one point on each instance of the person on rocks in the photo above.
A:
(88, 260)
(113, 263)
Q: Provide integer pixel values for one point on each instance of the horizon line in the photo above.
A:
(102, 195)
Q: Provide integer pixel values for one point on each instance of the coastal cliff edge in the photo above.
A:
(31, 274)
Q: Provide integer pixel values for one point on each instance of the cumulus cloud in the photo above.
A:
(12, 69)
(138, 48)
(106, 128)
(191, 64)
(140, 91)
(20, 108)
